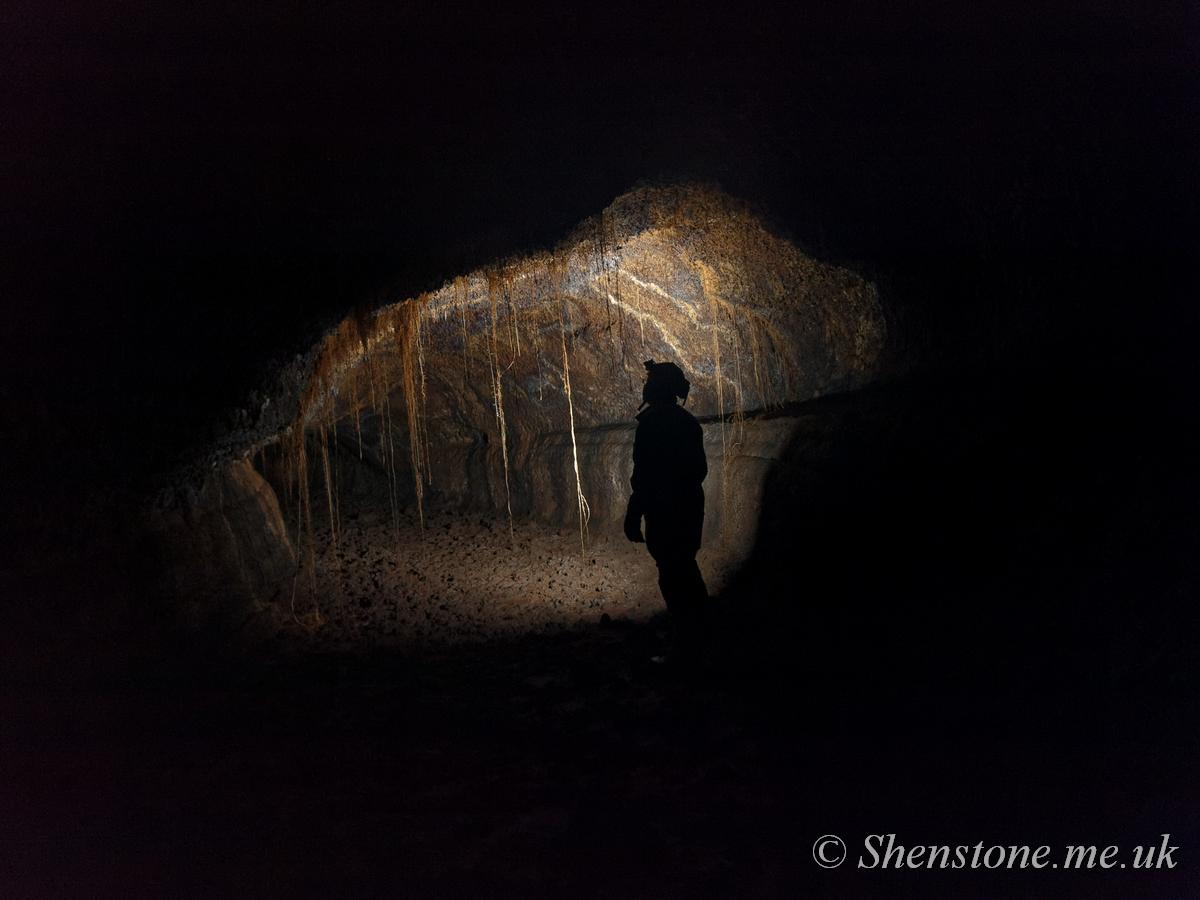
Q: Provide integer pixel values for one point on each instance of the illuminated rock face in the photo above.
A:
(516, 388)
(541, 360)
(227, 545)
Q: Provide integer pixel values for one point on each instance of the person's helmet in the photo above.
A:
(668, 377)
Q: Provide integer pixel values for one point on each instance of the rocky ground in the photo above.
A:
(522, 761)
(566, 765)
(453, 577)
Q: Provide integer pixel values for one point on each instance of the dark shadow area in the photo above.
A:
(1023, 529)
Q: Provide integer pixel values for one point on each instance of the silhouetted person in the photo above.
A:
(668, 475)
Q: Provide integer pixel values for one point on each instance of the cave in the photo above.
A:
(505, 401)
(328, 326)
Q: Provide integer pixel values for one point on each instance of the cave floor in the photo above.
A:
(447, 577)
(569, 765)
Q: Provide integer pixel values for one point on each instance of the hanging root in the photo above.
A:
(493, 284)
(424, 422)
(333, 517)
(304, 528)
(584, 510)
(408, 337)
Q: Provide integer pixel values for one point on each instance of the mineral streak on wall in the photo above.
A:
(517, 386)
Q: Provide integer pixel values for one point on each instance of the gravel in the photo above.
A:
(457, 577)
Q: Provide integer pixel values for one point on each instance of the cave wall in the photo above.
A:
(467, 473)
(222, 549)
(507, 373)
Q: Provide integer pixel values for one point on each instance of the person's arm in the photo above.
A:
(633, 520)
(636, 507)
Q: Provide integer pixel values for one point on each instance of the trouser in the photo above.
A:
(684, 591)
(673, 539)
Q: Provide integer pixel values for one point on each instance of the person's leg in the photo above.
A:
(687, 600)
(683, 590)
(673, 544)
